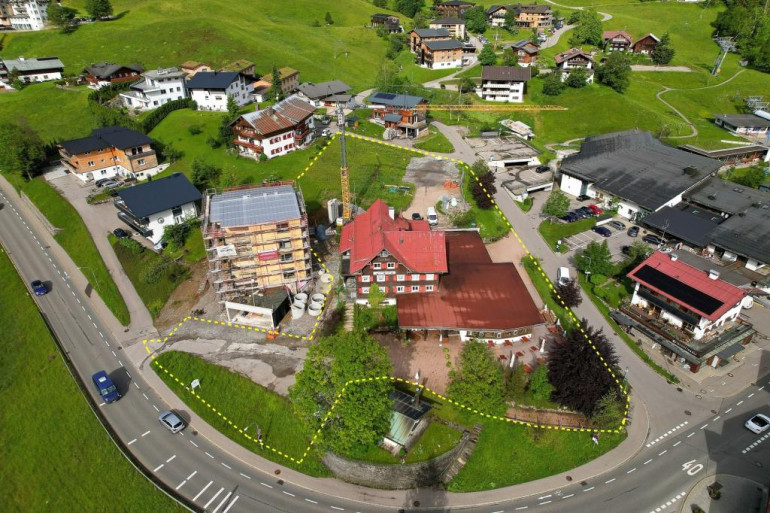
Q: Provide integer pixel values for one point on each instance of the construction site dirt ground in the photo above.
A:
(430, 178)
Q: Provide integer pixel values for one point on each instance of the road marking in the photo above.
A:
(102, 404)
(207, 454)
(127, 374)
(679, 442)
(311, 501)
(196, 445)
(181, 485)
(544, 502)
(750, 395)
(691, 434)
(230, 505)
(191, 475)
(158, 467)
(94, 324)
(544, 497)
(171, 458)
(646, 462)
(223, 502)
(265, 484)
(717, 418)
(662, 453)
(611, 480)
(728, 411)
(146, 433)
(703, 426)
(633, 469)
(145, 396)
(288, 493)
(132, 441)
(244, 475)
(664, 435)
(739, 403)
(568, 496)
(113, 354)
(338, 509)
(136, 384)
(227, 466)
(521, 507)
(212, 499)
(100, 334)
(761, 388)
(589, 489)
(201, 492)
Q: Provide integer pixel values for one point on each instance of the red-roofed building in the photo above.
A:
(617, 41)
(691, 312)
(400, 256)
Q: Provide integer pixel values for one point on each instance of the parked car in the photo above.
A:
(759, 423)
(653, 239)
(603, 231)
(583, 197)
(570, 217)
(633, 231)
(416, 216)
(325, 132)
(110, 184)
(171, 421)
(596, 210)
(432, 216)
(106, 388)
(542, 169)
(120, 233)
(617, 224)
(102, 181)
(562, 275)
(39, 288)
(585, 212)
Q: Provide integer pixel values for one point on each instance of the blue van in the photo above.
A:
(107, 389)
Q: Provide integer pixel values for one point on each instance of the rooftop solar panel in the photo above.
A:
(255, 206)
(386, 96)
(684, 293)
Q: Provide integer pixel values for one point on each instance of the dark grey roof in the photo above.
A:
(685, 222)
(23, 65)
(728, 197)
(526, 45)
(212, 80)
(727, 152)
(746, 234)
(404, 404)
(744, 120)
(259, 205)
(324, 89)
(113, 136)
(447, 21)
(163, 73)
(158, 195)
(429, 32)
(392, 118)
(634, 166)
(446, 44)
(456, 2)
(106, 69)
(506, 73)
(396, 100)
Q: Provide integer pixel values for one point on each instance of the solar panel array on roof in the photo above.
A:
(678, 290)
(386, 96)
(259, 205)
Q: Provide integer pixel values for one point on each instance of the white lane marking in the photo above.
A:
(212, 499)
(128, 374)
(288, 493)
(646, 462)
(181, 485)
(739, 403)
(207, 454)
(544, 497)
(146, 433)
(589, 489)
(145, 396)
(136, 384)
(664, 435)
(113, 354)
(227, 466)
(750, 395)
(761, 388)
(230, 505)
(662, 453)
(102, 404)
(158, 467)
(611, 480)
(265, 484)
(691, 434)
(171, 458)
(132, 441)
(521, 507)
(202, 490)
(156, 408)
(100, 334)
(728, 411)
(191, 475)
(544, 503)
(679, 442)
(717, 418)
(568, 496)
(94, 324)
(244, 475)
(223, 502)
(338, 509)
(633, 469)
(703, 426)
(196, 445)
(311, 501)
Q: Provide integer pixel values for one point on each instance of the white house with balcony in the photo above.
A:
(210, 89)
(26, 14)
(503, 83)
(157, 87)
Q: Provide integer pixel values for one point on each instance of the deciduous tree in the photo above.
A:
(509, 22)
(476, 20)
(556, 205)
(608, 413)
(510, 57)
(361, 417)
(552, 84)
(98, 8)
(569, 293)
(589, 28)
(409, 7)
(663, 53)
(577, 78)
(328, 18)
(21, 150)
(595, 259)
(478, 380)
(580, 377)
(62, 17)
(204, 175)
(487, 56)
(616, 71)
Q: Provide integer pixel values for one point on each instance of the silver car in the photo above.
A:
(759, 423)
(171, 421)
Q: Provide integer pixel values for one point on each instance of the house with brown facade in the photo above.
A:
(190, 68)
(106, 73)
(242, 66)
(289, 79)
(572, 59)
(617, 41)
(646, 44)
(276, 130)
(533, 16)
(108, 153)
(453, 8)
(257, 239)
(402, 112)
(526, 52)
(418, 36)
(440, 54)
(391, 23)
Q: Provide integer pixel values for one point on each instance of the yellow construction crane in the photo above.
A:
(344, 178)
(492, 108)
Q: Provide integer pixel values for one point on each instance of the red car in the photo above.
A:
(596, 210)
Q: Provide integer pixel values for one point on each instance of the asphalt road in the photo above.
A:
(215, 480)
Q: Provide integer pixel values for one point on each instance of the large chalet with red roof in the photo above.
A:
(441, 281)
(692, 313)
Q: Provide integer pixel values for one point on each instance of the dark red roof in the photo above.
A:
(687, 285)
(473, 296)
(466, 247)
(412, 243)
(611, 34)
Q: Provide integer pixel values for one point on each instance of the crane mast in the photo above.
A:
(344, 179)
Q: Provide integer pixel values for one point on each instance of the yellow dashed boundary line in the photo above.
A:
(299, 460)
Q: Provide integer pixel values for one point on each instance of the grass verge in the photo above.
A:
(555, 231)
(245, 404)
(605, 311)
(544, 287)
(76, 241)
(525, 205)
(59, 453)
(434, 141)
(436, 440)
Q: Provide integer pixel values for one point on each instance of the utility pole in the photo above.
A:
(726, 44)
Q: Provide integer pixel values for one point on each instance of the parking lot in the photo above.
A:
(616, 240)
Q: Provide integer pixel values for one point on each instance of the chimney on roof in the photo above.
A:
(674, 257)
(392, 212)
(713, 274)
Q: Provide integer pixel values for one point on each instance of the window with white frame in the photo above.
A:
(400, 277)
(400, 288)
(391, 265)
(366, 278)
(428, 288)
(415, 277)
(429, 277)
(415, 288)
(364, 290)
(381, 278)
(376, 265)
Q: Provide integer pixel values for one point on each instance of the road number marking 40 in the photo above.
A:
(692, 468)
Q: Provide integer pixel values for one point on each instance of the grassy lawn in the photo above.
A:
(605, 311)
(55, 459)
(436, 440)
(76, 241)
(612, 292)
(244, 403)
(154, 295)
(415, 73)
(525, 205)
(193, 250)
(367, 128)
(544, 287)
(554, 231)
(434, 141)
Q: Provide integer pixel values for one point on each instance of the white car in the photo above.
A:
(759, 423)
(171, 421)
(325, 132)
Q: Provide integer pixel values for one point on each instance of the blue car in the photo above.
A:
(39, 288)
(601, 230)
(107, 389)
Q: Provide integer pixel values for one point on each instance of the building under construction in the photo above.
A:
(257, 239)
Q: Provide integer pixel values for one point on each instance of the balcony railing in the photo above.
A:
(141, 155)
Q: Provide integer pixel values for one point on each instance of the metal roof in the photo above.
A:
(744, 120)
(156, 196)
(163, 73)
(445, 44)
(101, 138)
(324, 89)
(746, 234)
(392, 118)
(396, 100)
(23, 65)
(447, 21)
(107, 69)
(404, 416)
(212, 80)
(259, 205)
(439, 32)
(685, 222)
(506, 73)
(728, 197)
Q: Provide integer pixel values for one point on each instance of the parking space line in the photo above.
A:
(202, 490)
